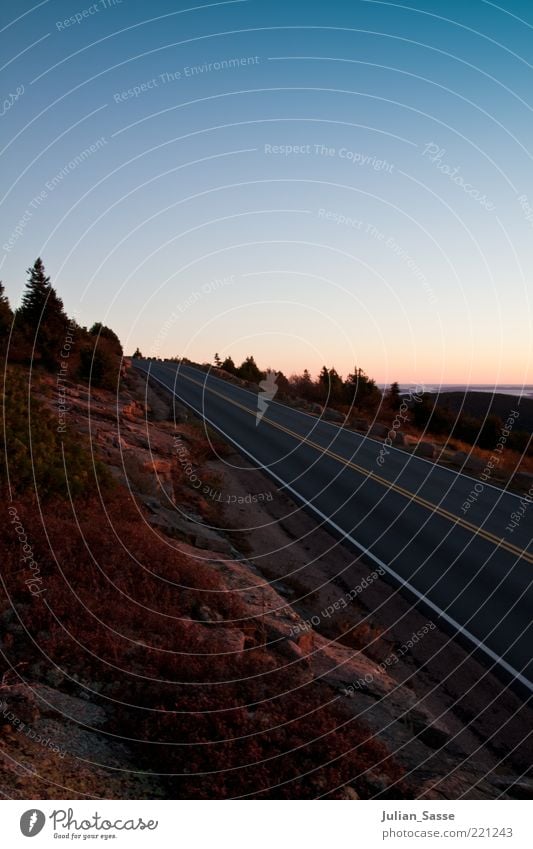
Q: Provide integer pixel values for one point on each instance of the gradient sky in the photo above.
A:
(187, 236)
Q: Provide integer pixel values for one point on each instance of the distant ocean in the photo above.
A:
(502, 389)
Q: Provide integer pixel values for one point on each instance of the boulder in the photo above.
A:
(348, 792)
(524, 480)
(133, 410)
(306, 642)
(333, 415)
(469, 462)
(379, 430)
(424, 449)
(18, 706)
(178, 526)
(157, 466)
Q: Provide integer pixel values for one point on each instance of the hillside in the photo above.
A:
(482, 404)
(160, 622)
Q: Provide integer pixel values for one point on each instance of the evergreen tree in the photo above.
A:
(394, 398)
(229, 366)
(330, 386)
(101, 357)
(6, 319)
(41, 315)
(249, 370)
(137, 354)
(361, 390)
(217, 361)
(102, 332)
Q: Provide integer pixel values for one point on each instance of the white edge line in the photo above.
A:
(499, 660)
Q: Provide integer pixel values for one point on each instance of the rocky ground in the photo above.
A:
(456, 730)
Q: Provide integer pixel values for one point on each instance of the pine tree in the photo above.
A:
(394, 398)
(229, 366)
(6, 314)
(102, 332)
(6, 320)
(249, 370)
(41, 315)
(137, 354)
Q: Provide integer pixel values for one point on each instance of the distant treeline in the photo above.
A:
(477, 418)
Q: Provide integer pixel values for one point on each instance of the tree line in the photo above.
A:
(40, 333)
(327, 389)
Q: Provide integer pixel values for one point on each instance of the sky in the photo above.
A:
(341, 183)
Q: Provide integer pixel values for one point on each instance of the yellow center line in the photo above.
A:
(423, 502)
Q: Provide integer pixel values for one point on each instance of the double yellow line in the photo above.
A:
(521, 553)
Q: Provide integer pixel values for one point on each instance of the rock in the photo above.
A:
(332, 415)
(290, 649)
(133, 410)
(150, 502)
(175, 525)
(54, 677)
(157, 466)
(468, 462)
(521, 788)
(205, 614)
(424, 449)
(316, 409)
(232, 639)
(524, 480)
(378, 429)
(306, 642)
(431, 732)
(348, 792)
(18, 705)
(179, 414)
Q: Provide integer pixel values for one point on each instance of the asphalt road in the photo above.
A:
(404, 515)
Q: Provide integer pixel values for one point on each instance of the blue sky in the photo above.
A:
(315, 183)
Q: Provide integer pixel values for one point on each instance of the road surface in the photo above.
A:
(404, 515)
